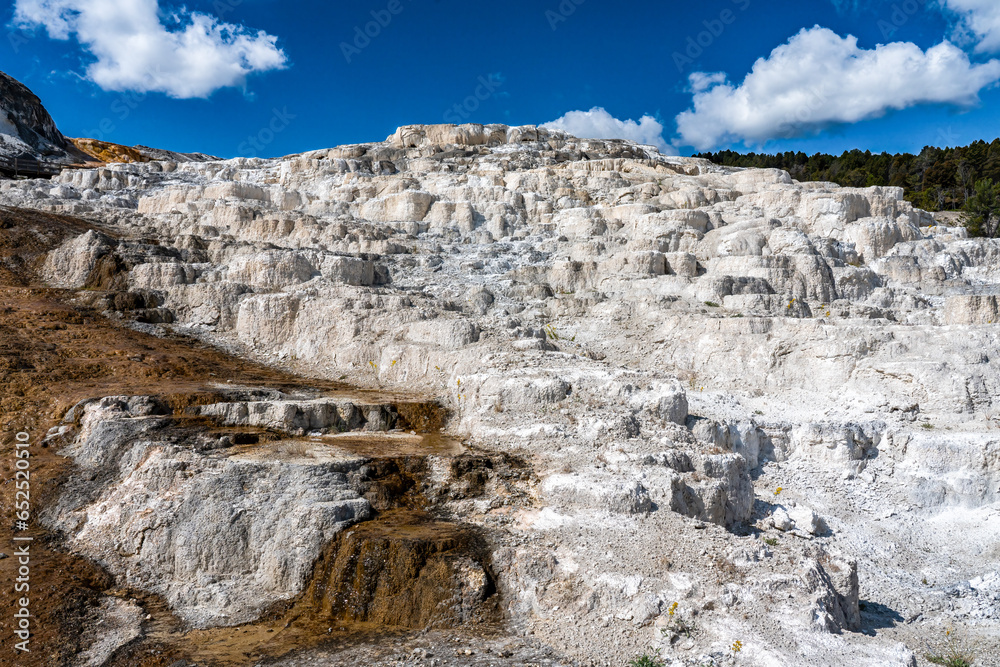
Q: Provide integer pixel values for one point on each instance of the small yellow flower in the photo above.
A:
(737, 646)
(778, 491)
(394, 362)
(672, 609)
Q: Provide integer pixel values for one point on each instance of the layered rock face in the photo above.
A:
(693, 357)
(27, 129)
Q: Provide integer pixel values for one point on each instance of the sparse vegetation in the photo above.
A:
(691, 377)
(712, 304)
(651, 659)
(927, 426)
(949, 661)
(951, 654)
(678, 625)
(771, 541)
(552, 334)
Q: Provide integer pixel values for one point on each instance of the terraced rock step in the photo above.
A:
(298, 417)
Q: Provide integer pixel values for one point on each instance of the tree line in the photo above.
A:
(965, 178)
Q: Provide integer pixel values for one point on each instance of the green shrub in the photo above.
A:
(952, 654)
(950, 660)
(647, 660)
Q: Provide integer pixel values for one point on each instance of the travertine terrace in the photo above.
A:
(770, 402)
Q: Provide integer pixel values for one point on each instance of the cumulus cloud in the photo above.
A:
(979, 21)
(599, 124)
(820, 79)
(137, 47)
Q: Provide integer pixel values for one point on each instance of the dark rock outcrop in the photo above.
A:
(28, 129)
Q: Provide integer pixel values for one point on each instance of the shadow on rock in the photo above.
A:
(877, 616)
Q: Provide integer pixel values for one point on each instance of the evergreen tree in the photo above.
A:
(982, 210)
(937, 179)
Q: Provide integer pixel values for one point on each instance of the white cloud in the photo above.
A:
(979, 22)
(599, 124)
(704, 80)
(819, 79)
(192, 55)
(847, 6)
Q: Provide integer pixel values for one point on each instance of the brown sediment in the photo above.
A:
(425, 417)
(103, 277)
(395, 444)
(405, 569)
(399, 572)
(392, 483)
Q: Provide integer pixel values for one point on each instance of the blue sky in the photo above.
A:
(263, 77)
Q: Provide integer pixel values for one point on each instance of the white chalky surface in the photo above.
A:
(667, 341)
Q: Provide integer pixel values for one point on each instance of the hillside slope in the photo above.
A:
(771, 403)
